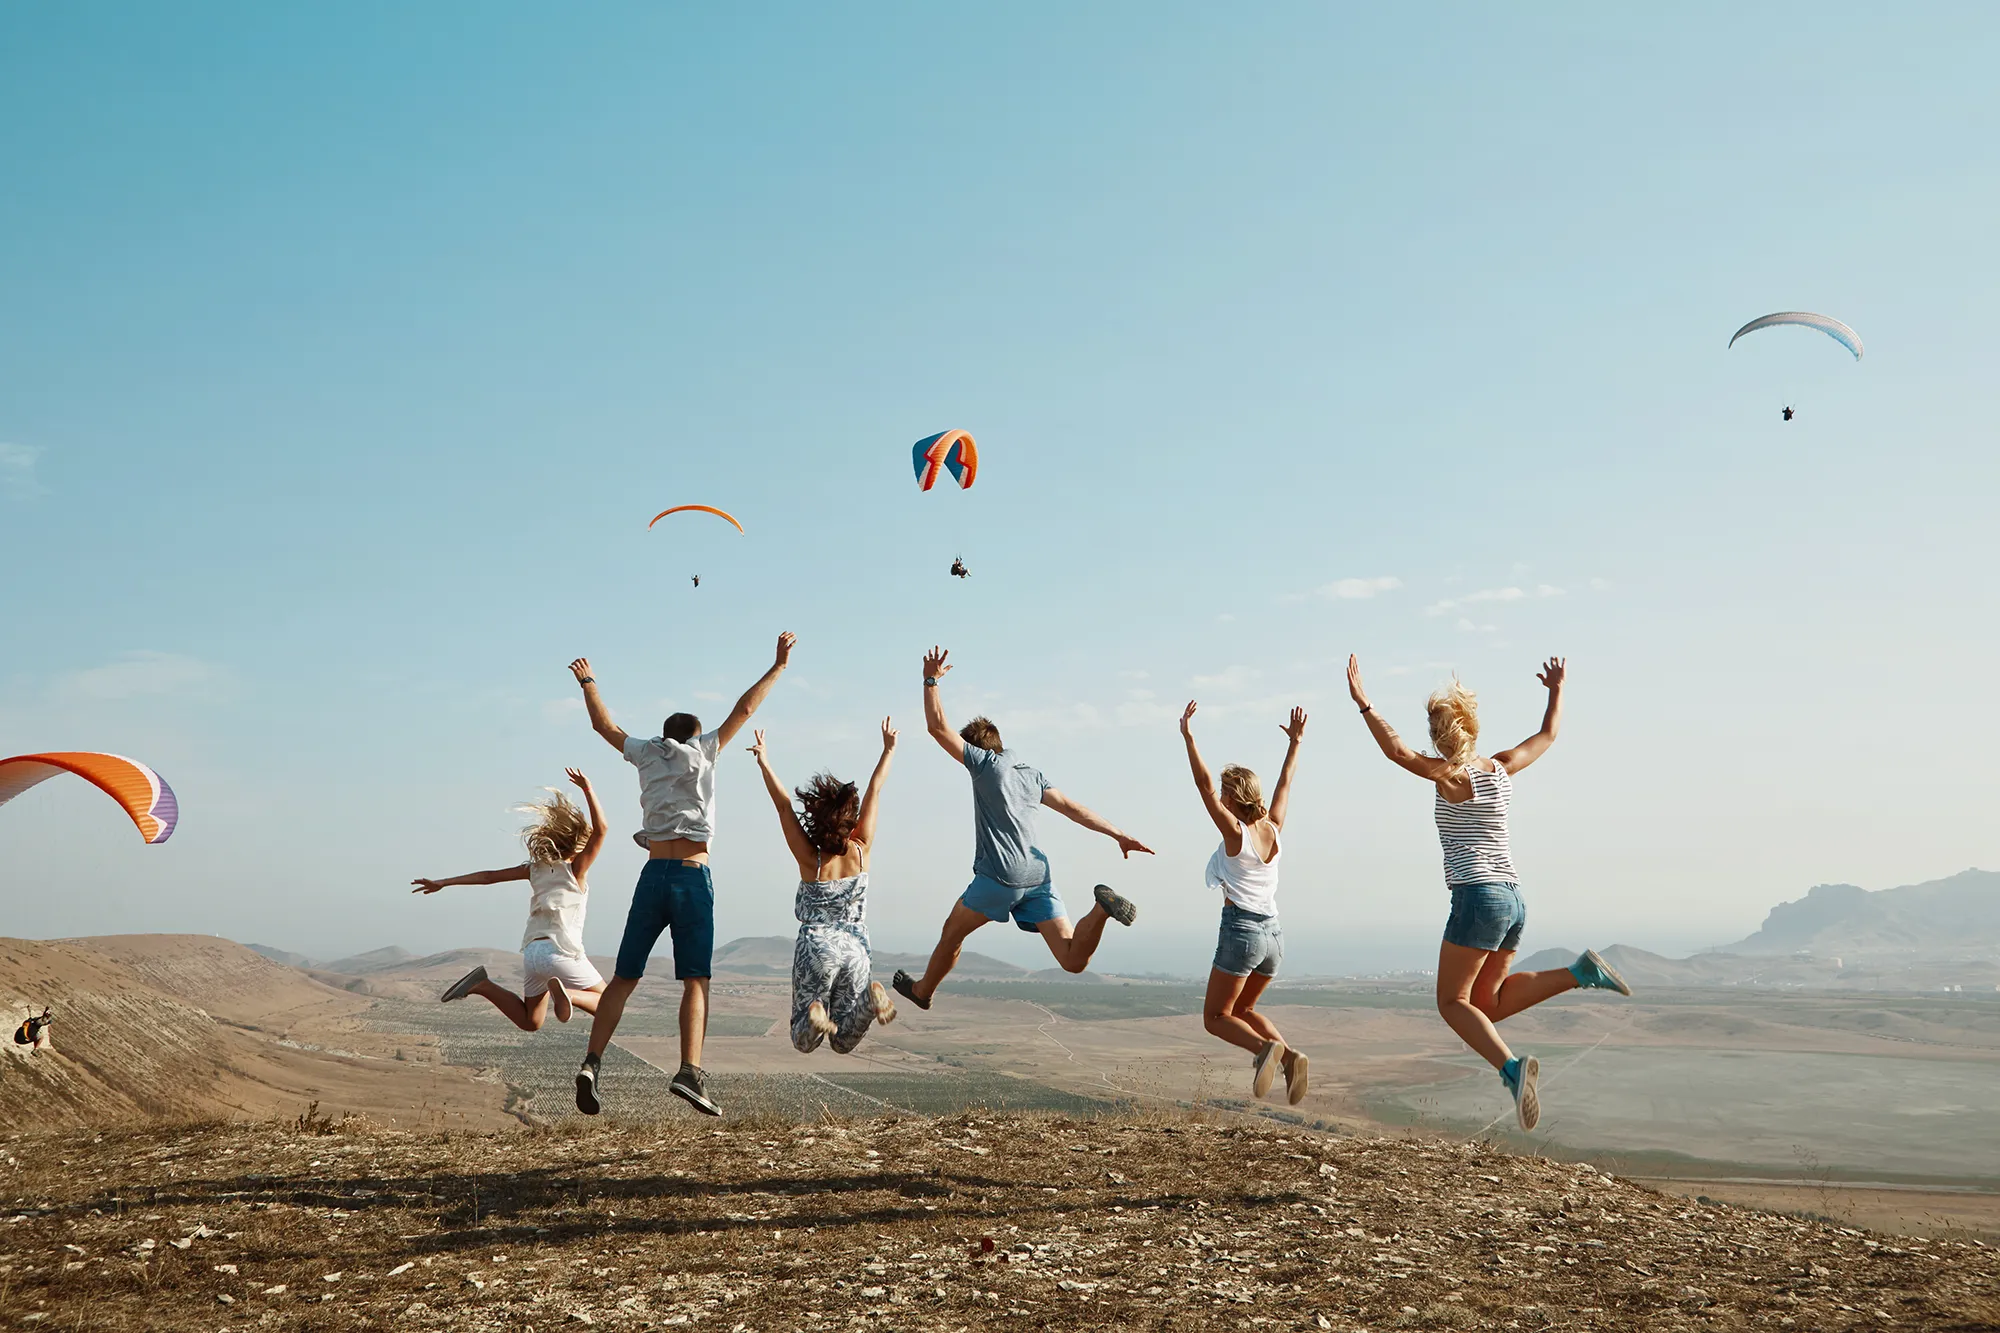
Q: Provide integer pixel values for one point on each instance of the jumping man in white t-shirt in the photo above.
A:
(674, 893)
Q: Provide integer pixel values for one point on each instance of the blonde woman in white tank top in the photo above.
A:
(1483, 934)
(562, 844)
(1250, 945)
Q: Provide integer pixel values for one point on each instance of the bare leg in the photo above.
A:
(694, 1019)
(960, 924)
(1501, 996)
(610, 1008)
(1219, 1012)
(1253, 988)
(586, 1000)
(1073, 949)
(526, 1015)
(1458, 972)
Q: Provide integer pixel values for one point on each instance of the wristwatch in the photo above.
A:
(930, 681)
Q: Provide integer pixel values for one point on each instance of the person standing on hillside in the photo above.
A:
(1483, 933)
(1250, 944)
(830, 836)
(1010, 875)
(675, 892)
(562, 844)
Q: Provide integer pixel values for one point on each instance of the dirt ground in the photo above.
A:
(963, 1222)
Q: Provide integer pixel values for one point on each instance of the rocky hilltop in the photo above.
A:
(972, 1221)
(1954, 917)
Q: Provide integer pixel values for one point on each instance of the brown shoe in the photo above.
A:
(817, 1020)
(1264, 1071)
(878, 1000)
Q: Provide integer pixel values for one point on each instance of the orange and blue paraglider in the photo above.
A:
(948, 450)
(705, 509)
(144, 794)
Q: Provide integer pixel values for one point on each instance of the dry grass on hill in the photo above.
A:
(967, 1222)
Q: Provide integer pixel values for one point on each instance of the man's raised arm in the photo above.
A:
(935, 668)
(756, 694)
(593, 703)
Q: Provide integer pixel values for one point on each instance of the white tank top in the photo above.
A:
(556, 911)
(1246, 879)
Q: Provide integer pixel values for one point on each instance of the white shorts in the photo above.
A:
(540, 960)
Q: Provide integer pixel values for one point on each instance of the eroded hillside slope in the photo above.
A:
(960, 1223)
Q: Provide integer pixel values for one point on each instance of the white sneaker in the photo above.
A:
(1264, 1071)
(559, 1000)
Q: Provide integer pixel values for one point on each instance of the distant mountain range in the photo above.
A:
(1956, 917)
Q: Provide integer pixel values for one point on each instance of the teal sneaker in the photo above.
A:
(1593, 973)
(1520, 1075)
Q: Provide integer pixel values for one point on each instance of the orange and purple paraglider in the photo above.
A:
(947, 451)
(144, 794)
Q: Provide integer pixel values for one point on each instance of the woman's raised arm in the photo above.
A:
(1528, 751)
(864, 826)
(581, 863)
(1204, 782)
(1425, 766)
(1281, 797)
(788, 818)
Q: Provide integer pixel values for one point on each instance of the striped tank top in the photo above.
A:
(1474, 832)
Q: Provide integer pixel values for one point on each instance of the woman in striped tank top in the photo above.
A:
(1483, 933)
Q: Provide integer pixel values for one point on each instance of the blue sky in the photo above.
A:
(345, 355)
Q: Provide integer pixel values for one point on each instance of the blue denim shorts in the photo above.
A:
(1248, 943)
(671, 896)
(1029, 907)
(1486, 916)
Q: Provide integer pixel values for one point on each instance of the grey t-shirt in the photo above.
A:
(1005, 795)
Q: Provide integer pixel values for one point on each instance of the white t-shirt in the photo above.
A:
(676, 785)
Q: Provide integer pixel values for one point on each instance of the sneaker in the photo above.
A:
(1593, 973)
(586, 1088)
(463, 986)
(687, 1087)
(817, 1020)
(878, 1000)
(1520, 1075)
(1264, 1070)
(559, 1000)
(906, 986)
(1116, 905)
(1295, 1079)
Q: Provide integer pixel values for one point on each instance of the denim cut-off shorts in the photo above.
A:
(1486, 916)
(1248, 943)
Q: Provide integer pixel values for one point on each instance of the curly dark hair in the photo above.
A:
(828, 811)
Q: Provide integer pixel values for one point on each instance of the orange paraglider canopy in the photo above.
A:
(706, 509)
(143, 794)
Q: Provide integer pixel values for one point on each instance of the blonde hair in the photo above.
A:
(559, 830)
(1454, 714)
(1242, 793)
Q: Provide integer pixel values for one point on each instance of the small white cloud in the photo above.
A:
(1135, 675)
(1349, 590)
(17, 471)
(1600, 585)
(1229, 678)
(561, 710)
(1507, 594)
(1468, 627)
(138, 675)
(1547, 590)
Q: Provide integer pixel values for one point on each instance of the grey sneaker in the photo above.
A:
(586, 1089)
(687, 1087)
(463, 986)
(1116, 905)
(1521, 1075)
(1593, 973)
(1264, 1071)
(1295, 1079)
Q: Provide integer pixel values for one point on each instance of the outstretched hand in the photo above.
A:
(934, 662)
(756, 745)
(1552, 672)
(1355, 691)
(1187, 719)
(425, 886)
(580, 668)
(785, 644)
(1296, 728)
(1127, 844)
(576, 775)
(888, 736)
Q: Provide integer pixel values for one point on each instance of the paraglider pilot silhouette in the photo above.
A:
(958, 569)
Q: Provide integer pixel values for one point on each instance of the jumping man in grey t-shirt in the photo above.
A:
(1010, 875)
